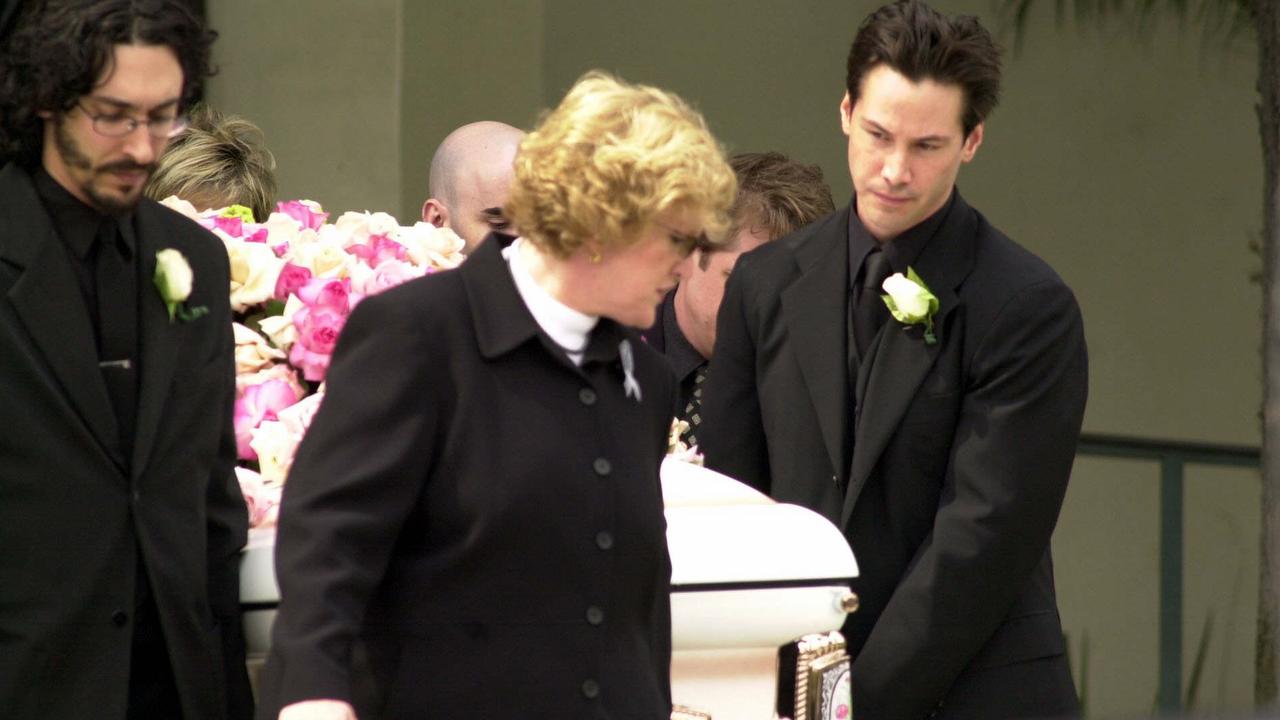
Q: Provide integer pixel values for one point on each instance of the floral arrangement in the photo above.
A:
(677, 448)
(294, 281)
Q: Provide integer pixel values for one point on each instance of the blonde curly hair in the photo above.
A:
(608, 159)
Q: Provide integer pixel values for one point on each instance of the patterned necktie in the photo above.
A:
(693, 409)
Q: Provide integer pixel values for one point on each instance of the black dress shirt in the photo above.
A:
(76, 224)
(901, 251)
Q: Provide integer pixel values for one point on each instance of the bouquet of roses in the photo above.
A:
(294, 281)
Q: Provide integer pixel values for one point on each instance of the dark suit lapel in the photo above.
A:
(47, 300)
(812, 306)
(158, 338)
(900, 357)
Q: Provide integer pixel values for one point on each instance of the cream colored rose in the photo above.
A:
(430, 246)
(324, 257)
(253, 352)
(358, 226)
(279, 329)
(173, 276)
(254, 271)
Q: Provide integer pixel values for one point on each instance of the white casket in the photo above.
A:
(748, 575)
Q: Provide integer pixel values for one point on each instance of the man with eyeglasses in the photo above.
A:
(120, 517)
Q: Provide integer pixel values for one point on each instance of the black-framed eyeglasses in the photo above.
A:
(116, 125)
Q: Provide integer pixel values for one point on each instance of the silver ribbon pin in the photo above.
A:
(629, 384)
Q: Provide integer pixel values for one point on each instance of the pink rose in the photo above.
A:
(388, 274)
(378, 250)
(258, 236)
(257, 403)
(327, 293)
(306, 213)
(291, 278)
(318, 330)
(279, 371)
(232, 226)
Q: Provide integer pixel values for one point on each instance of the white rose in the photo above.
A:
(173, 276)
(912, 302)
(275, 446)
(297, 417)
(282, 228)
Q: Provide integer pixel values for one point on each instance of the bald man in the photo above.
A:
(471, 179)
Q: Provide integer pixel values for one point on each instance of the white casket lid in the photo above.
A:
(722, 532)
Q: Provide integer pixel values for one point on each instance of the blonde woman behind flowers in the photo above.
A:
(217, 161)
(478, 499)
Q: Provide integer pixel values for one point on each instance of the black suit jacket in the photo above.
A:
(959, 457)
(74, 515)
(486, 516)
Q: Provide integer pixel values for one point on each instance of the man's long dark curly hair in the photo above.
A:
(61, 49)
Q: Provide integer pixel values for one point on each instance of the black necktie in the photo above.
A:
(116, 289)
(869, 310)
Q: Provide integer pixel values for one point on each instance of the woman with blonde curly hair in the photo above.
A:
(478, 501)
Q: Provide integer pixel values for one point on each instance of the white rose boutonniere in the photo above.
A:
(173, 279)
(911, 302)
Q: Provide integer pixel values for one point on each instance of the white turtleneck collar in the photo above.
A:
(566, 327)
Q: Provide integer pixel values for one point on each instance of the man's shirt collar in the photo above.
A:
(900, 251)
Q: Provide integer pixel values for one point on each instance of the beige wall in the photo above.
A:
(463, 62)
(1133, 167)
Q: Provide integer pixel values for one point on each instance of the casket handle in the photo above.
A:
(849, 602)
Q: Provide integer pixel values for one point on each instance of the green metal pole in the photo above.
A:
(1169, 694)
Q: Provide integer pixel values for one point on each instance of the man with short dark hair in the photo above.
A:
(908, 371)
(776, 196)
(470, 181)
(120, 517)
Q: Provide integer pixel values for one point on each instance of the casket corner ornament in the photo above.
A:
(813, 678)
(683, 712)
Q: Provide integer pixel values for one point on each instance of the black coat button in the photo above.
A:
(119, 618)
(587, 396)
(590, 689)
(602, 467)
(604, 539)
(595, 615)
